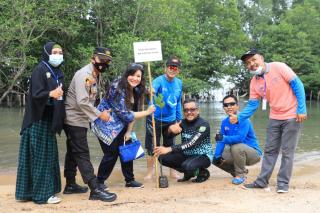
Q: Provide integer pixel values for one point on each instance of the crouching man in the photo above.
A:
(194, 155)
(237, 145)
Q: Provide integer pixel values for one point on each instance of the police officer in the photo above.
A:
(80, 111)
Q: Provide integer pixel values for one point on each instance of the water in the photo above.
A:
(11, 119)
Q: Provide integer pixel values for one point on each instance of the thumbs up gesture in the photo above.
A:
(175, 128)
(233, 118)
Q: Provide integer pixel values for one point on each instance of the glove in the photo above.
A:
(218, 137)
(217, 161)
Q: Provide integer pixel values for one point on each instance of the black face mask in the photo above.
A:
(102, 67)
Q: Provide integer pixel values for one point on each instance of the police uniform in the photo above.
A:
(80, 111)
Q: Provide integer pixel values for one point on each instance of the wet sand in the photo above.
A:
(215, 195)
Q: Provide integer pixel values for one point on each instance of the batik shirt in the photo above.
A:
(121, 116)
(195, 137)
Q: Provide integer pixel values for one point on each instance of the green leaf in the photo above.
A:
(159, 100)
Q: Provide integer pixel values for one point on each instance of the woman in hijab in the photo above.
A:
(38, 175)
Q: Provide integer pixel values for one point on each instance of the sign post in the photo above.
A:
(147, 52)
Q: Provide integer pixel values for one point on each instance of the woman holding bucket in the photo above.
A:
(124, 98)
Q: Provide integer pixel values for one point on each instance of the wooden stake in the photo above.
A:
(155, 158)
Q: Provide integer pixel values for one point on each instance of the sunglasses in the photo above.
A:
(134, 66)
(173, 68)
(189, 110)
(229, 104)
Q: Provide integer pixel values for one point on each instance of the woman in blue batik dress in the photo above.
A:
(124, 98)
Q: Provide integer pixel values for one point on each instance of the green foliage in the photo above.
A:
(159, 100)
(295, 41)
(208, 36)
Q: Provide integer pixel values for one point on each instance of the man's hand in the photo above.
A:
(161, 150)
(218, 137)
(217, 161)
(301, 117)
(105, 115)
(175, 128)
(233, 118)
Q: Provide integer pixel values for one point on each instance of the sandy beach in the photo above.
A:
(215, 195)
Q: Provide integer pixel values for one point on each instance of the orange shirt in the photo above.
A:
(275, 87)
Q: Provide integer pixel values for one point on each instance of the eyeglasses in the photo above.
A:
(186, 110)
(175, 68)
(229, 104)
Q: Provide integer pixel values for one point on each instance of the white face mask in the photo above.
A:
(55, 59)
(258, 71)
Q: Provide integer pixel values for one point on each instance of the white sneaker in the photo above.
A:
(53, 200)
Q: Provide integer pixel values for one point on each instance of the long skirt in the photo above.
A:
(38, 175)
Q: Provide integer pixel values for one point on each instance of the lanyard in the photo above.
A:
(264, 87)
(54, 75)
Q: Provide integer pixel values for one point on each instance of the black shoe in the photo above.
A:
(185, 178)
(103, 186)
(74, 189)
(204, 174)
(134, 184)
(99, 194)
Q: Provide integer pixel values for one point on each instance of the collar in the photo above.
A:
(91, 70)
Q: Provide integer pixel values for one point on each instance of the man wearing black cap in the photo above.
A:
(80, 111)
(170, 87)
(277, 84)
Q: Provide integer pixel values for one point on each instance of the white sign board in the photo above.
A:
(147, 51)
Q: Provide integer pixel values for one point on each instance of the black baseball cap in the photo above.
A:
(173, 61)
(250, 52)
(103, 53)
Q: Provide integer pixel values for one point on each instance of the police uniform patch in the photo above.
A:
(202, 129)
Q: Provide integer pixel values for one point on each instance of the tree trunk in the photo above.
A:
(15, 78)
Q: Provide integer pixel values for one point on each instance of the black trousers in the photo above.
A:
(78, 156)
(110, 157)
(183, 163)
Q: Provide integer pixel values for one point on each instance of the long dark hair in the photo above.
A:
(138, 92)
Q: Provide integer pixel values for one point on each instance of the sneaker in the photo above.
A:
(238, 180)
(99, 194)
(74, 189)
(103, 186)
(255, 186)
(281, 191)
(252, 186)
(204, 174)
(134, 184)
(53, 200)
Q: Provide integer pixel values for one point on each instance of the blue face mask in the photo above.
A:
(55, 60)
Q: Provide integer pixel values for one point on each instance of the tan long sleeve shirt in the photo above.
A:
(80, 99)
